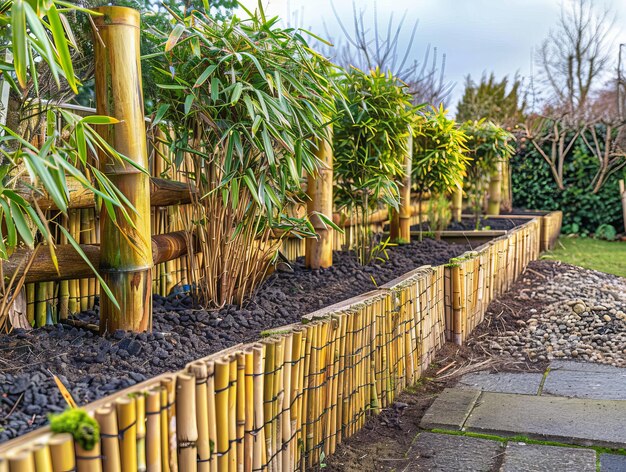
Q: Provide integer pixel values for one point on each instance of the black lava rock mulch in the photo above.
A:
(92, 366)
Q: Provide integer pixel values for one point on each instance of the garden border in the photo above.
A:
(291, 397)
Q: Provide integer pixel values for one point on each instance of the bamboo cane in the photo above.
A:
(85, 238)
(211, 415)
(400, 223)
(222, 373)
(30, 303)
(287, 459)
(296, 395)
(259, 454)
(92, 282)
(186, 426)
(40, 307)
(140, 405)
(21, 461)
(495, 191)
(277, 403)
(62, 452)
(126, 255)
(165, 428)
(153, 430)
(457, 203)
(268, 390)
(199, 371)
(43, 459)
(88, 461)
(170, 460)
(248, 442)
(319, 251)
(127, 424)
(106, 418)
(232, 414)
(241, 409)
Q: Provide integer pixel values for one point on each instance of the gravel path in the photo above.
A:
(559, 311)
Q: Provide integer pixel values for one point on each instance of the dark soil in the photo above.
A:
(385, 441)
(469, 224)
(93, 367)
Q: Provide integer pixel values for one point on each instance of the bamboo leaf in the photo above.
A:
(174, 37)
(61, 43)
(19, 41)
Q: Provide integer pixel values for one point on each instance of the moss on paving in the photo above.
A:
(604, 256)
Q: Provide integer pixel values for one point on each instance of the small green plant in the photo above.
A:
(77, 422)
(606, 231)
(370, 137)
(439, 214)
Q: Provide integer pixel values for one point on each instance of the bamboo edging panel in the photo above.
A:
(287, 400)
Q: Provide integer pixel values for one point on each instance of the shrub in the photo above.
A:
(489, 146)
(370, 137)
(245, 99)
(534, 187)
(439, 152)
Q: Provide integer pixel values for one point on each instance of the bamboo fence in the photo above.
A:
(285, 402)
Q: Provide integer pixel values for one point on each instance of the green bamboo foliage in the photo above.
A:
(370, 139)
(439, 154)
(490, 146)
(245, 99)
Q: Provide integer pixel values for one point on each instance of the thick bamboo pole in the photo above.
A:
(495, 191)
(165, 247)
(126, 256)
(319, 252)
(400, 223)
(163, 192)
(457, 203)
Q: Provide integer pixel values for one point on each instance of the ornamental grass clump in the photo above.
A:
(439, 155)
(242, 102)
(370, 139)
(489, 146)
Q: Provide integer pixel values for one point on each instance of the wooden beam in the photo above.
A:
(165, 247)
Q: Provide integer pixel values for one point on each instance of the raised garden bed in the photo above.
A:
(92, 367)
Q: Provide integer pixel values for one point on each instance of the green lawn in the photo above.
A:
(594, 254)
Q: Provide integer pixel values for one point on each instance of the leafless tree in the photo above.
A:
(575, 55)
(369, 45)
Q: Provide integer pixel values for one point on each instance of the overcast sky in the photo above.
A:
(475, 35)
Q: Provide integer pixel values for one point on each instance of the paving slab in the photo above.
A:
(584, 366)
(538, 458)
(570, 420)
(612, 463)
(445, 453)
(505, 382)
(607, 385)
(450, 409)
